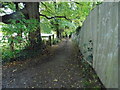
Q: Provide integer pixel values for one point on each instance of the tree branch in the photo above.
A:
(79, 3)
(18, 15)
(55, 17)
(50, 12)
(15, 16)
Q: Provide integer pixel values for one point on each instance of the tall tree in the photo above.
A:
(30, 11)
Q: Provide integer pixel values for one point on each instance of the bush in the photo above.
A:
(15, 37)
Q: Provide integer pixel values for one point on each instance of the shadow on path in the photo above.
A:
(59, 68)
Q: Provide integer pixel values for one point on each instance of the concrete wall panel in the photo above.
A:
(101, 26)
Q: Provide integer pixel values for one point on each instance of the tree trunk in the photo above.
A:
(16, 5)
(58, 33)
(19, 34)
(57, 25)
(33, 13)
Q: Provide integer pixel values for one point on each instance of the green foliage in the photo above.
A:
(45, 26)
(10, 6)
(16, 33)
(7, 54)
(31, 24)
(75, 11)
(7, 5)
(55, 41)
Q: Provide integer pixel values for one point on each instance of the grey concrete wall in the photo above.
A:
(98, 42)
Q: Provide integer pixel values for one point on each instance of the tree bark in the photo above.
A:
(58, 33)
(33, 13)
(17, 6)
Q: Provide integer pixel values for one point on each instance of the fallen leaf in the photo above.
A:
(55, 80)
(14, 70)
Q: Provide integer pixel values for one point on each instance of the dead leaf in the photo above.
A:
(14, 70)
(55, 80)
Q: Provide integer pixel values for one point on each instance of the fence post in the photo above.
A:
(50, 40)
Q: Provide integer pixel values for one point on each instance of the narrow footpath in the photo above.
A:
(61, 68)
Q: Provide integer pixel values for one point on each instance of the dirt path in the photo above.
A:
(58, 69)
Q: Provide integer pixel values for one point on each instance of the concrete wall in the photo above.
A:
(98, 42)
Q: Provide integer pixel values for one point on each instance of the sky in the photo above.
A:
(8, 11)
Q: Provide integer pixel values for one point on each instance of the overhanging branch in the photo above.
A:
(15, 16)
(18, 15)
(55, 17)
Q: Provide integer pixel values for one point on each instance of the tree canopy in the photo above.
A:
(64, 15)
(24, 22)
